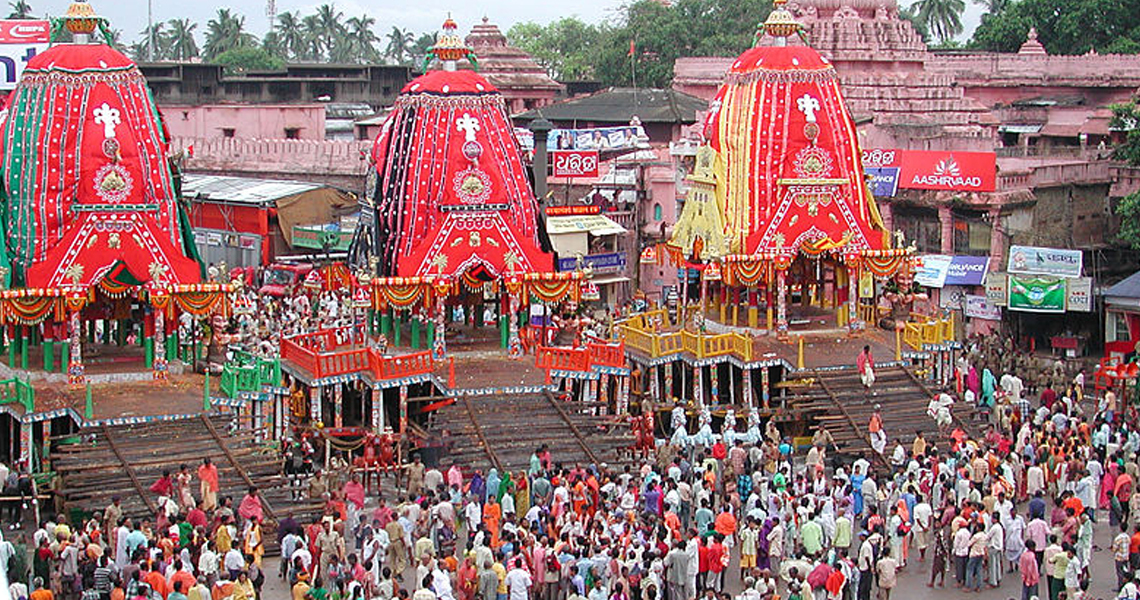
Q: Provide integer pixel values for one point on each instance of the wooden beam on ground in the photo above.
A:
(479, 433)
(573, 428)
(850, 420)
(130, 471)
(235, 464)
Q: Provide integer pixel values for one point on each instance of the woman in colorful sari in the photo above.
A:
(522, 495)
(506, 486)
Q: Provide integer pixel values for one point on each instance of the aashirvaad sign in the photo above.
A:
(938, 169)
(19, 42)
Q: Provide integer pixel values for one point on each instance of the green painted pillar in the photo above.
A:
(504, 331)
(385, 322)
(49, 355)
(415, 334)
(107, 332)
(171, 345)
(64, 355)
(429, 343)
(397, 325)
(13, 345)
(148, 351)
(121, 332)
(24, 348)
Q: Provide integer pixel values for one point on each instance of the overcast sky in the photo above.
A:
(419, 16)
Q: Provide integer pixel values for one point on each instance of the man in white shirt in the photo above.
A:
(922, 526)
(518, 583)
(995, 545)
(234, 563)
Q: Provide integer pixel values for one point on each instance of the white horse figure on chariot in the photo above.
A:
(678, 421)
(705, 436)
(728, 431)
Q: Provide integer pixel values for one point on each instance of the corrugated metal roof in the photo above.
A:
(242, 190)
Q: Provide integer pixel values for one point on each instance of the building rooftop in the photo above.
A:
(241, 190)
(621, 105)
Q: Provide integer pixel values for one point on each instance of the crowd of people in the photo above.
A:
(1021, 496)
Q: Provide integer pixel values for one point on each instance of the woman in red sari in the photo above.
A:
(465, 579)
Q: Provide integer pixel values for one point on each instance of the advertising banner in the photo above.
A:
(19, 42)
(600, 263)
(997, 285)
(936, 169)
(593, 138)
(1037, 294)
(931, 269)
(967, 270)
(574, 163)
(1079, 298)
(952, 297)
(980, 307)
(884, 181)
(1032, 260)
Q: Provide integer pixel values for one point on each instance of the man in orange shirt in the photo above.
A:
(153, 578)
(40, 592)
(208, 476)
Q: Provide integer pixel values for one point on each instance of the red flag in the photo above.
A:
(632, 48)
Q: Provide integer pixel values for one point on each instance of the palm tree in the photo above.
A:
(153, 43)
(226, 32)
(421, 47)
(943, 18)
(20, 10)
(358, 30)
(399, 44)
(329, 30)
(314, 44)
(291, 35)
(180, 40)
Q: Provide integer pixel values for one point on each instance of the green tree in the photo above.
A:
(1063, 26)
(245, 59)
(180, 39)
(226, 32)
(362, 39)
(942, 18)
(291, 35)
(155, 34)
(20, 10)
(566, 48)
(1126, 118)
(910, 13)
(315, 47)
(329, 31)
(399, 45)
(421, 46)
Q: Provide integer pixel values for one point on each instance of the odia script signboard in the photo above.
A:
(19, 42)
(575, 163)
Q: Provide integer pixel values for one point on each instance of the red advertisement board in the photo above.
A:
(938, 169)
(24, 32)
(574, 163)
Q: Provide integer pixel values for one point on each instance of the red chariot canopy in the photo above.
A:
(85, 172)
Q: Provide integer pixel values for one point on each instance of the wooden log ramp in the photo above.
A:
(124, 460)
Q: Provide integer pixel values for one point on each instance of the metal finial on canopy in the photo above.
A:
(781, 23)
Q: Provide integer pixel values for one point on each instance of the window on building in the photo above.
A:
(1120, 326)
(656, 212)
(292, 133)
(227, 132)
